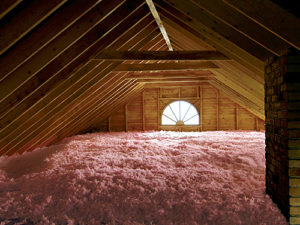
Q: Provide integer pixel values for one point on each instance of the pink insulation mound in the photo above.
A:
(140, 178)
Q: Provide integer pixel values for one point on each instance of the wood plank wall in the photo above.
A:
(216, 110)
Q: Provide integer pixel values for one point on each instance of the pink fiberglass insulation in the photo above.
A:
(140, 178)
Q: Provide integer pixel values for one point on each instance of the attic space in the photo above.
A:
(135, 112)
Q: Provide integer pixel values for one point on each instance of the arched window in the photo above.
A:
(180, 113)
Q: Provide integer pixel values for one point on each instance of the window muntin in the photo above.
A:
(180, 113)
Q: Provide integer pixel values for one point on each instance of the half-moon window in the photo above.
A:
(180, 113)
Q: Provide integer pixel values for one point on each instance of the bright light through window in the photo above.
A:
(180, 113)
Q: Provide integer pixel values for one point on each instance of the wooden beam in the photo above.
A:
(159, 23)
(170, 75)
(271, 17)
(175, 66)
(26, 20)
(161, 55)
(244, 25)
(173, 80)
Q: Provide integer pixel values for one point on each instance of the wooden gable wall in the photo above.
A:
(143, 112)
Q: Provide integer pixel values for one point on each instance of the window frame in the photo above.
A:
(181, 125)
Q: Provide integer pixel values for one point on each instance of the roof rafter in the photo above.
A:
(244, 25)
(287, 29)
(35, 13)
(53, 27)
(7, 5)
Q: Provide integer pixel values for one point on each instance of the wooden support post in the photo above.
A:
(126, 118)
(143, 109)
(236, 116)
(256, 124)
(201, 108)
(158, 108)
(109, 121)
(218, 114)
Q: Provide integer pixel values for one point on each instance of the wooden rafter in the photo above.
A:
(159, 23)
(288, 29)
(7, 5)
(53, 27)
(244, 25)
(59, 51)
(161, 55)
(132, 23)
(176, 66)
(35, 13)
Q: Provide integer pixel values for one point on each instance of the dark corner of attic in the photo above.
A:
(149, 112)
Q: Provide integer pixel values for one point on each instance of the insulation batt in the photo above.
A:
(140, 178)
